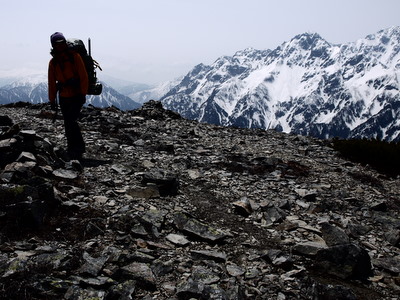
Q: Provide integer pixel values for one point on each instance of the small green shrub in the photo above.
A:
(380, 155)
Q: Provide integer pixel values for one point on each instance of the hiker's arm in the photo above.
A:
(52, 83)
(83, 76)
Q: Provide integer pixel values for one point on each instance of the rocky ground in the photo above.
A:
(166, 208)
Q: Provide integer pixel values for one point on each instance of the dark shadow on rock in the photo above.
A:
(93, 163)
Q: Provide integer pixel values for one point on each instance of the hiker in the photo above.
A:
(67, 77)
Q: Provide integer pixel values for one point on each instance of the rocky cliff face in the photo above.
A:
(305, 86)
(167, 208)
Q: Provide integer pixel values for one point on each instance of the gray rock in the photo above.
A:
(168, 184)
(190, 289)
(346, 261)
(333, 235)
(309, 195)
(243, 207)
(204, 275)
(140, 272)
(122, 291)
(274, 215)
(391, 264)
(92, 266)
(234, 270)
(147, 192)
(393, 237)
(26, 156)
(63, 174)
(209, 255)
(357, 230)
(177, 239)
(308, 248)
(197, 228)
(75, 292)
(279, 259)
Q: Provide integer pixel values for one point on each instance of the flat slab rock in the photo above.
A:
(199, 229)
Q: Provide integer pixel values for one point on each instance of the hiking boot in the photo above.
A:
(74, 155)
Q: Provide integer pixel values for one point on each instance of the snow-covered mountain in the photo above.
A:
(140, 92)
(305, 86)
(110, 97)
(125, 87)
(153, 93)
(34, 89)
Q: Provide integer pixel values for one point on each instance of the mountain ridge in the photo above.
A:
(33, 89)
(306, 86)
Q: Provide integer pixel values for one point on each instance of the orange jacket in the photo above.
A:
(61, 73)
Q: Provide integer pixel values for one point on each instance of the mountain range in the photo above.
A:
(33, 89)
(305, 86)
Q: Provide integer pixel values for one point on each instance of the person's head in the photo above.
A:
(58, 41)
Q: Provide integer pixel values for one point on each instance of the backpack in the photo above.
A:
(77, 45)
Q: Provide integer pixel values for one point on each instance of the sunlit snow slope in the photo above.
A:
(306, 86)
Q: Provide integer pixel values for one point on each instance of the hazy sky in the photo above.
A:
(151, 41)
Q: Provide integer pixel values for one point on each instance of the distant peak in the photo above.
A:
(394, 30)
(308, 34)
(388, 33)
(308, 40)
(245, 51)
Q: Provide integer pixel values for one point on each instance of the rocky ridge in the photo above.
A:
(167, 208)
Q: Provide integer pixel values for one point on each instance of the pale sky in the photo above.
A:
(152, 41)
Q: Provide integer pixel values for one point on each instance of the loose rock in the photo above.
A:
(167, 208)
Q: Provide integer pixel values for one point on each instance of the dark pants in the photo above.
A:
(71, 108)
